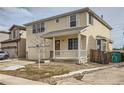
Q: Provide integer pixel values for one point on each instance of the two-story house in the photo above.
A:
(4, 35)
(68, 36)
(16, 44)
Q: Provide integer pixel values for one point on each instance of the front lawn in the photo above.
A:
(32, 72)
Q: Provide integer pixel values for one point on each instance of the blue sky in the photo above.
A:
(21, 15)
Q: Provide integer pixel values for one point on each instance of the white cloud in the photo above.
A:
(18, 11)
(2, 28)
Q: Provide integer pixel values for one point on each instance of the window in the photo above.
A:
(101, 45)
(39, 27)
(14, 34)
(72, 43)
(57, 20)
(98, 44)
(72, 20)
(34, 28)
(42, 28)
(90, 19)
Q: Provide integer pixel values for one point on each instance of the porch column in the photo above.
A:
(79, 47)
(53, 47)
(43, 48)
(87, 51)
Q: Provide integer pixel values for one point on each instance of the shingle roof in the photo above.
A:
(18, 26)
(5, 32)
(73, 12)
(10, 40)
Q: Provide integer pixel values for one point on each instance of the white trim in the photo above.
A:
(76, 21)
(87, 19)
(53, 47)
(79, 46)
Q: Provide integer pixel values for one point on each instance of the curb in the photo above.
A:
(12, 80)
(79, 73)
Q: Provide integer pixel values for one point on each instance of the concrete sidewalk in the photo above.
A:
(79, 72)
(12, 80)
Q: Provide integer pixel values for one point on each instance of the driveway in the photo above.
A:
(110, 76)
(13, 63)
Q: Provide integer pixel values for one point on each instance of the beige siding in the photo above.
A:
(22, 48)
(23, 34)
(88, 38)
(97, 29)
(9, 44)
(3, 37)
(12, 51)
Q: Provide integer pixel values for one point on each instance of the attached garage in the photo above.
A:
(11, 46)
(12, 51)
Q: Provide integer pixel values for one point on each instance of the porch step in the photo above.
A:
(66, 60)
(44, 61)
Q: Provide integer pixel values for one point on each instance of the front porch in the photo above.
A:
(65, 47)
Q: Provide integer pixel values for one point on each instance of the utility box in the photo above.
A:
(116, 57)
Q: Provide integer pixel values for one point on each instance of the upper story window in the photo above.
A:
(57, 20)
(34, 28)
(73, 21)
(90, 19)
(14, 34)
(42, 27)
(39, 27)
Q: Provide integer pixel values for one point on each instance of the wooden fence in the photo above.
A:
(100, 56)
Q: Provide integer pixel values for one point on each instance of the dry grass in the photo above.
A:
(47, 70)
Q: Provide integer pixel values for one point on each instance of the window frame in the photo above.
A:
(70, 21)
(73, 44)
(38, 27)
(34, 28)
(102, 46)
(90, 17)
(42, 27)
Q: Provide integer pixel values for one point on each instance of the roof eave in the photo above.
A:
(60, 15)
(100, 19)
(72, 12)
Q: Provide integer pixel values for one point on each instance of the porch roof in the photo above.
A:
(104, 38)
(63, 32)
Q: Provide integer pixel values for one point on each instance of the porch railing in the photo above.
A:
(63, 54)
(70, 54)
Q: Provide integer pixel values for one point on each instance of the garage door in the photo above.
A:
(12, 52)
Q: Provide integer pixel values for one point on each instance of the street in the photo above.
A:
(110, 76)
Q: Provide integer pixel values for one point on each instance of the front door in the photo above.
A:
(57, 48)
(57, 44)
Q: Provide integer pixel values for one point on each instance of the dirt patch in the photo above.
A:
(46, 71)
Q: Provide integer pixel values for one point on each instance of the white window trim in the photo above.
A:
(76, 21)
(101, 45)
(87, 19)
(40, 27)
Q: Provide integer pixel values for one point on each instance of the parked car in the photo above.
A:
(4, 55)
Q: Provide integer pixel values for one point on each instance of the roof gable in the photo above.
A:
(18, 27)
(73, 12)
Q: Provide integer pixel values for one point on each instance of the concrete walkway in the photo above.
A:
(79, 72)
(12, 80)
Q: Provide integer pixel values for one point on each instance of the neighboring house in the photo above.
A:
(16, 44)
(3, 36)
(68, 36)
